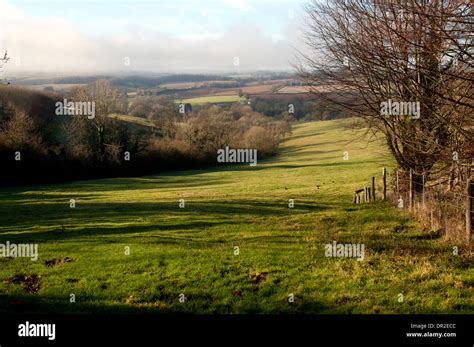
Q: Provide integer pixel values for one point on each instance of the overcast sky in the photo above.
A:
(158, 36)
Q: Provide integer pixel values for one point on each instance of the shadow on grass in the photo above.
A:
(20, 305)
(177, 179)
(271, 167)
(65, 223)
(167, 305)
(94, 234)
(33, 198)
(304, 135)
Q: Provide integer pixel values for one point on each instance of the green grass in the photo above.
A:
(191, 250)
(211, 99)
(144, 122)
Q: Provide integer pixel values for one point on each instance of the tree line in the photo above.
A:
(37, 145)
(420, 51)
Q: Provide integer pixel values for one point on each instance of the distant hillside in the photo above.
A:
(135, 81)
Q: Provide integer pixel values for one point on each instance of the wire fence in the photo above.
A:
(440, 202)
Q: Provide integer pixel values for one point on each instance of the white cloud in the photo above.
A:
(54, 45)
(241, 5)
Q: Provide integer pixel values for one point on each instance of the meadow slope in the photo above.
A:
(191, 250)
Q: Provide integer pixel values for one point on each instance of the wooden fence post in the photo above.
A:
(431, 219)
(423, 191)
(398, 189)
(469, 207)
(373, 188)
(410, 193)
(384, 181)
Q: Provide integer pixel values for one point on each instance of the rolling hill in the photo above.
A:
(236, 246)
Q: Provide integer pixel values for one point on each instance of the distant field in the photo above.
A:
(133, 119)
(201, 92)
(188, 85)
(211, 100)
(269, 82)
(308, 89)
(65, 86)
(265, 88)
(250, 90)
(226, 92)
(182, 85)
(258, 89)
(294, 89)
(283, 97)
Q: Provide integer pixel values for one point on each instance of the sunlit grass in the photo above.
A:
(191, 250)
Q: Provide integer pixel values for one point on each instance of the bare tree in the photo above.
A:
(370, 52)
(107, 100)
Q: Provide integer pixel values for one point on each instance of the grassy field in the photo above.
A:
(133, 120)
(211, 99)
(191, 250)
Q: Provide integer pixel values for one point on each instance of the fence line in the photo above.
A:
(437, 203)
(441, 198)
